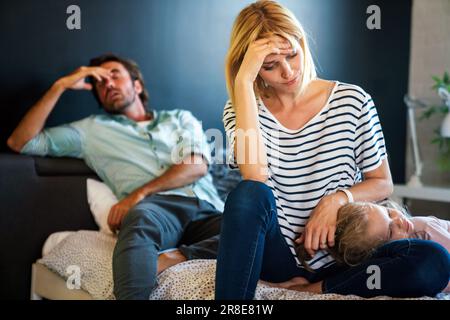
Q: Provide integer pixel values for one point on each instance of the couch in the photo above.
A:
(41, 196)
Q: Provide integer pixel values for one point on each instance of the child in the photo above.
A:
(361, 227)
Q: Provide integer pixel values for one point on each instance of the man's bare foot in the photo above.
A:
(168, 259)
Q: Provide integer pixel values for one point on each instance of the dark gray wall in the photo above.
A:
(181, 45)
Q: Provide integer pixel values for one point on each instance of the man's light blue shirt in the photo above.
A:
(126, 154)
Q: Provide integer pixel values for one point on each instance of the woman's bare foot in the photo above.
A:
(168, 259)
(298, 284)
(297, 281)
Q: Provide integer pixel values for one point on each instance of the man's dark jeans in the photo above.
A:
(157, 223)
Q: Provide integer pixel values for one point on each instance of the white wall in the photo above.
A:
(430, 55)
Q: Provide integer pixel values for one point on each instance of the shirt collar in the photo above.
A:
(125, 120)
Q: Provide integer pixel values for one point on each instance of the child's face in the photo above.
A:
(388, 224)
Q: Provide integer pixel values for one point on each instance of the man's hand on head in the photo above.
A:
(121, 209)
(76, 79)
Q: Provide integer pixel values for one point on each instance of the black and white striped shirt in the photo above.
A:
(331, 151)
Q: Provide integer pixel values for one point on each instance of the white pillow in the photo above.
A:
(53, 240)
(100, 199)
(91, 252)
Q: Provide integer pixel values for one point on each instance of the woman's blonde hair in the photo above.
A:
(352, 245)
(258, 20)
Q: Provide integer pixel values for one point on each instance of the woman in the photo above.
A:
(303, 145)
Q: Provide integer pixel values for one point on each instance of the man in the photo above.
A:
(155, 162)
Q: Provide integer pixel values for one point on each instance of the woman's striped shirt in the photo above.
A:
(331, 151)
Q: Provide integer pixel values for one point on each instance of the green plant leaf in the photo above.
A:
(443, 144)
(427, 113)
(443, 162)
(436, 79)
(435, 140)
(445, 79)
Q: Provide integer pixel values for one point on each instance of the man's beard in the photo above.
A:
(112, 109)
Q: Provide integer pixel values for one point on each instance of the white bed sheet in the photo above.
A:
(91, 251)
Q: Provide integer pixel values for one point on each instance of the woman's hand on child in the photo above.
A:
(321, 227)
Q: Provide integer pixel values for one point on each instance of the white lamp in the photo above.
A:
(445, 127)
(413, 104)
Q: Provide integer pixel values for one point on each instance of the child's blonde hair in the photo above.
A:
(258, 20)
(352, 245)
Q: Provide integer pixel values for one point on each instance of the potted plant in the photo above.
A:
(442, 134)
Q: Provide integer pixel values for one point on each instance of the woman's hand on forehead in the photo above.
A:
(282, 43)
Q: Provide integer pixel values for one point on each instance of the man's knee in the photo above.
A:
(139, 227)
(138, 216)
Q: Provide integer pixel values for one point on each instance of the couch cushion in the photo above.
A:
(47, 166)
(224, 178)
